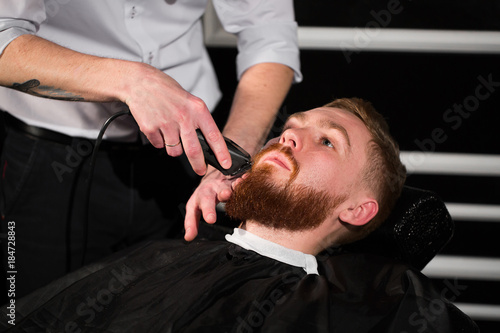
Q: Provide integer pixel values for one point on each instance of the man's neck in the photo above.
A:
(303, 241)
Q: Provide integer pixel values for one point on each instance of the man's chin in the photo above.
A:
(273, 174)
(259, 197)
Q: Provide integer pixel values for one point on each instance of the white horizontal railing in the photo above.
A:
(468, 268)
(406, 40)
(474, 212)
(454, 164)
(462, 267)
(451, 163)
(480, 311)
(372, 37)
(390, 40)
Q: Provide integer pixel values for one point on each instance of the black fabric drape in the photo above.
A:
(207, 286)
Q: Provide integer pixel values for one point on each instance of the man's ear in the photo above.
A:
(360, 214)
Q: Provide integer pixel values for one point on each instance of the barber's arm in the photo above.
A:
(258, 97)
(267, 64)
(165, 112)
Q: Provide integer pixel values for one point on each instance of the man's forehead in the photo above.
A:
(321, 112)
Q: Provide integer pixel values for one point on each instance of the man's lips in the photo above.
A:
(278, 159)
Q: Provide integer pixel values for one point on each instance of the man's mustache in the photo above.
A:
(282, 149)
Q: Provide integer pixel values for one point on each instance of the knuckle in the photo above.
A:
(192, 150)
(163, 123)
(193, 107)
(192, 153)
(197, 104)
(213, 136)
(208, 195)
(182, 116)
(148, 130)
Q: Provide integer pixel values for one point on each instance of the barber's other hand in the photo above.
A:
(169, 116)
(213, 188)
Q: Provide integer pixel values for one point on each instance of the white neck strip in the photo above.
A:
(274, 251)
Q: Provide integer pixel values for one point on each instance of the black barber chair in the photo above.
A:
(417, 229)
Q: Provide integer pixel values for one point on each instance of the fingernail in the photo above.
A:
(226, 164)
(211, 218)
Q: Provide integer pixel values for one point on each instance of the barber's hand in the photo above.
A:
(213, 188)
(169, 116)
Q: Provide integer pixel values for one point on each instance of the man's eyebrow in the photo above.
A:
(300, 116)
(333, 125)
(328, 124)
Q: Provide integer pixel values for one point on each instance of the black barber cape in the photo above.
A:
(217, 286)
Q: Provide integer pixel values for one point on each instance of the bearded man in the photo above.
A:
(322, 183)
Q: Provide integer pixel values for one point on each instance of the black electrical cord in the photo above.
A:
(90, 175)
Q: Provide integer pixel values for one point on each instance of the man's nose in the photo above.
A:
(292, 138)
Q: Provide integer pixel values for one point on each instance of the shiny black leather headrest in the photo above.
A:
(417, 229)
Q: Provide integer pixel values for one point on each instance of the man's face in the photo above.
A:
(329, 146)
(297, 182)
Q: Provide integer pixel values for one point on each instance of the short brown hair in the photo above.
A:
(384, 174)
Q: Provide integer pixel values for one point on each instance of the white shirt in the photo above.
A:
(274, 251)
(164, 33)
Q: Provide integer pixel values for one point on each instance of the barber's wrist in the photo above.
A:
(129, 77)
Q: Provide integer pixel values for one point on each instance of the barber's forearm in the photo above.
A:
(36, 66)
(260, 93)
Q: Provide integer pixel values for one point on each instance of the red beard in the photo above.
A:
(292, 207)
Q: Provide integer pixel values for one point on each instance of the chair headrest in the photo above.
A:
(417, 229)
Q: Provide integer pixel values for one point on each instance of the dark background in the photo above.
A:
(413, 91)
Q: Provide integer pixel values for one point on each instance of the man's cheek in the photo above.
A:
(314, 179)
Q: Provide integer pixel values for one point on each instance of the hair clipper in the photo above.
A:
(241, 160)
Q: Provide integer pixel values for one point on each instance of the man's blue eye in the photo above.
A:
(327, 142)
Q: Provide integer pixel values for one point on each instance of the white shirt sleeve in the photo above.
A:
(19, 17)
(266, 31)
